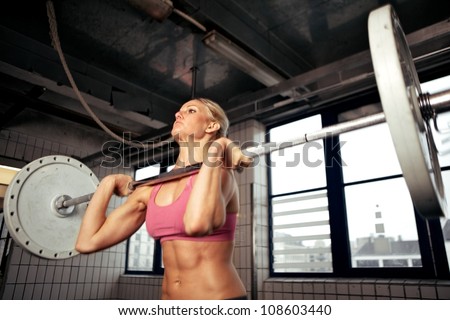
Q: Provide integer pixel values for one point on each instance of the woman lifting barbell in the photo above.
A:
(194, 217)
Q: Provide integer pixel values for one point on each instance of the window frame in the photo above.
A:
(430, 235)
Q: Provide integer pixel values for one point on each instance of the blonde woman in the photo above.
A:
(194, 217)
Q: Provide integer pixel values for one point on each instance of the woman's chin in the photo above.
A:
(175, 135)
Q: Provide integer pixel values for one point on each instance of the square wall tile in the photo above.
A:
(355, 288)
(330, 287)
(428, 292)
(368, 289)
(382, 290)
(342, 288)
(443, 292)
(412, 291)
(397, 291)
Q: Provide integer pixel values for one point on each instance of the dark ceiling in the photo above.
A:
(135, 71)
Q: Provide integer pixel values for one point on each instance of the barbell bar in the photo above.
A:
(46, 200)
(65, 202)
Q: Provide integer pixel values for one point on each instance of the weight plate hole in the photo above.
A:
(54, 158)
(11, 213)
(40, 251)
(27, 243)
(55, 255)
(17, 229)
(28, 169)
(18, 181)
(12, 196)
(68, 160)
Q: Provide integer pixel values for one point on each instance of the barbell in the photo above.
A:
(46, 200)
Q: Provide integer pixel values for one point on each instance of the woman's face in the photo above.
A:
(193, 119)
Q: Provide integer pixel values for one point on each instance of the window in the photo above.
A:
(301, 233)
(357, 218)
(144, 253)
(380, 213)
(300, 218)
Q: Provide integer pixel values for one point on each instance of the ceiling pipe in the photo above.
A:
(157, 9)
(242, 59)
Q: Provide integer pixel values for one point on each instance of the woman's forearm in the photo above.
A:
(95, 214)
(205, 211)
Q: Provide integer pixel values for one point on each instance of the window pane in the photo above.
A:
(368, 153)
(301, 167)
(382, 227)
(301, 233)
(141, 251)
(141, 246)
(443, 119)
(436, 85)
(147, 172)
(442, 140)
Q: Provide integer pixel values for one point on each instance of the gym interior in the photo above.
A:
(331, 219)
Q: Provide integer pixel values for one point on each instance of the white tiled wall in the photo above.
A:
(94, 276)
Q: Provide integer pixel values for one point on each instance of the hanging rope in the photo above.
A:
(190, 19)
(57, 45)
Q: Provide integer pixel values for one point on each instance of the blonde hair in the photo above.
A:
(217, 114)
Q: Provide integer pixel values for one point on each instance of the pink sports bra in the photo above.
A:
(166, 222)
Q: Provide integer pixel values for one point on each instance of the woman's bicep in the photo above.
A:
(119, 225)
(125, 219)
(227, 197)
(229, 186)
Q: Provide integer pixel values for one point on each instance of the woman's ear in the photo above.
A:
(212, 127)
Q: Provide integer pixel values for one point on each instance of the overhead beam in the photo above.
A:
(58, 94)
(27, 101)
(425, 45)
(40, 60)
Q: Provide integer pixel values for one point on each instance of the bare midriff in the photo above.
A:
(200, 271)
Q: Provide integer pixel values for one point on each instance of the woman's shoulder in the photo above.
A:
(141, 194)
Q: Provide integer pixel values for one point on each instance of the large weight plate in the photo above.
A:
(399, 89)
(30, 215)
